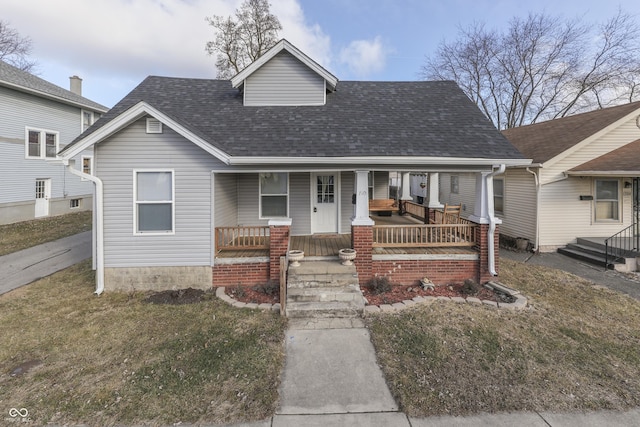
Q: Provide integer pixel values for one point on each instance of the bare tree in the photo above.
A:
(242, 40)
(15, 49)
(542, 67)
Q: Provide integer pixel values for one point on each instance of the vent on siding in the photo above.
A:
(154, 126)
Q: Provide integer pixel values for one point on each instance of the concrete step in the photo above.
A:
(587, 255)
(321, 274)
(323, 294)
(325, 309)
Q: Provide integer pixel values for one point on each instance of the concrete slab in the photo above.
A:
(520, 419)
(332, 371)
(593, 419)
(387, 419)
(26, 266)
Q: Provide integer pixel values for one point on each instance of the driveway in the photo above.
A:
(626, 283)
(26, 266)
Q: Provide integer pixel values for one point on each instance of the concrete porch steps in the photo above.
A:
(323, 289)
(592, 253)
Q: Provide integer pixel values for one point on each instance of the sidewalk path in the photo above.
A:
(25, 266)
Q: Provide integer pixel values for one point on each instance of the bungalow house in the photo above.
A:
(38, 119)
(203, 182)
(581, 188)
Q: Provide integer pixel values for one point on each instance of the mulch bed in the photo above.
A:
(398, 293)
(181, 296)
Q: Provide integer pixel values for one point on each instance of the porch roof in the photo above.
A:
(622, 162)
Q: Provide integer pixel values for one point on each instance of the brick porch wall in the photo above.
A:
(362, 241)
(440, 272)
(248, 274)
(278, 246)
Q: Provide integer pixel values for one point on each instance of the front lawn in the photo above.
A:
(118, 359)
(576, 348)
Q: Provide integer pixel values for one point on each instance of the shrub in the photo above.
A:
(470, 287)
(379, 285)
(270, 288)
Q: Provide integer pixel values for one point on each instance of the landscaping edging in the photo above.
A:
(220, 293)
(520, 302)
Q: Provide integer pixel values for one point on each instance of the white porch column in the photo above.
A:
(434, 191)
(483, 209)
(406, 186)
(361, 191)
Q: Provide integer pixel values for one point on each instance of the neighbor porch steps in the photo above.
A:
(323, 289)
(593, 252)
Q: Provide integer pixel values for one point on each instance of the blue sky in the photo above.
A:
(114, 44)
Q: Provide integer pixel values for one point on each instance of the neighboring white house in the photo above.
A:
(282, 150)
(37, 119)
(582, 183)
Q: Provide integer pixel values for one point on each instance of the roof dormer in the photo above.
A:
(284, 76)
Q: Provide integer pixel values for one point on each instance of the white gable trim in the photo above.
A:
(283, 44)
(593, 137)
(134, 113)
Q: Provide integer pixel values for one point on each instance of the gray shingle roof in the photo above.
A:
(13, 77)
(359, 119)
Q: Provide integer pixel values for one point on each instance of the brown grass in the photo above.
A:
(118, 359)
(575, 348)
(22, 235)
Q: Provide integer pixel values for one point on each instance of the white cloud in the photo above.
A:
(364, 57)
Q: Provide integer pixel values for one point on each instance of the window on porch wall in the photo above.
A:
(274, 195)
(498, 195)
(607, 199)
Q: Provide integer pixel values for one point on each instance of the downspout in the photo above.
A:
(538, 188)
(492, 222)
(99, 224)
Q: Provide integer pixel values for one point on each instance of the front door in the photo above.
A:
(324, 202)
(43, 194)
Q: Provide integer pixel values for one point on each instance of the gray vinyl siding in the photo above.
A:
(347, 180)
(284, 80)
(226, 200)
(133, 149)
(18, 174)
(300, 203)
(519, 217)
(249, 200)
(466, 196)
(380, 185)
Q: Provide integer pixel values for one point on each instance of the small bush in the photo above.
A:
(379, 285)
(239, 291)
(270, 288)
(470, 287)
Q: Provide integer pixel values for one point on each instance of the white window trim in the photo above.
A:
(595, 202)
(260, 197)
(82, 158)
(172, 201)
(43, 142)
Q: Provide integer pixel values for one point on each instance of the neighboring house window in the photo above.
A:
(274, 195)
(41, 144)
(88, 118)
(370, 184)
(498, 195)
(455, 186)
(74, 203)
(607, 199)
(87, 165)
(154, 199)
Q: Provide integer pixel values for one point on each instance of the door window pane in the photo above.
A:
(325, 189)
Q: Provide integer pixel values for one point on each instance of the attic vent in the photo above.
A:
(154, 125)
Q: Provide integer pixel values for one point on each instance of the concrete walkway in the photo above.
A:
(23, 267)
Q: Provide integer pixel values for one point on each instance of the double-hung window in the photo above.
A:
(274, 195)
(154, 202)
(498, 195)
(607, 200)
(41, 144)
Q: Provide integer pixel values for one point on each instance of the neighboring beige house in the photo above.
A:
(583, 181)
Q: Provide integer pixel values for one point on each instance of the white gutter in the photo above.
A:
(492, 222)
(99, 225)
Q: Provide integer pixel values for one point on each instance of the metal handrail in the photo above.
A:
(623, 243)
